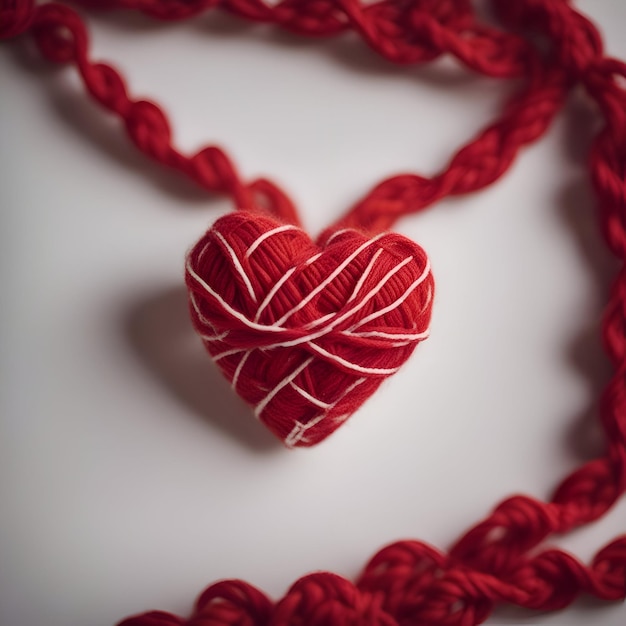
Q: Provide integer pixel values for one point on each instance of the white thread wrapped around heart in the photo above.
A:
(306, 331)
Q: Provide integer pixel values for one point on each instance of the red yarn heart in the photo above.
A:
(305, 331)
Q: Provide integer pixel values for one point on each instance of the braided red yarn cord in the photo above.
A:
(496, 561)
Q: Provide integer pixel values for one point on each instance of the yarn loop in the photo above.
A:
(16, 17)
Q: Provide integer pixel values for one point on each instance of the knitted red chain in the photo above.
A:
(496, 561)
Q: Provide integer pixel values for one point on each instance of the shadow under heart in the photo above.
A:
(159, 330)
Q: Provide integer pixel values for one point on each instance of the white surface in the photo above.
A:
(130, 477)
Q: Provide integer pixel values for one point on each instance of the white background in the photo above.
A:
(130, 476)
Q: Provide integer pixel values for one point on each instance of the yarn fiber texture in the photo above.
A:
(503, 559)
(306, 332)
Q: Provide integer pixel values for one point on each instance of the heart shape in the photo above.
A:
(306, 331)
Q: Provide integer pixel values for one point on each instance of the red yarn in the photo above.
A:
(304, 332)
(16, 17)
(498, 560)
